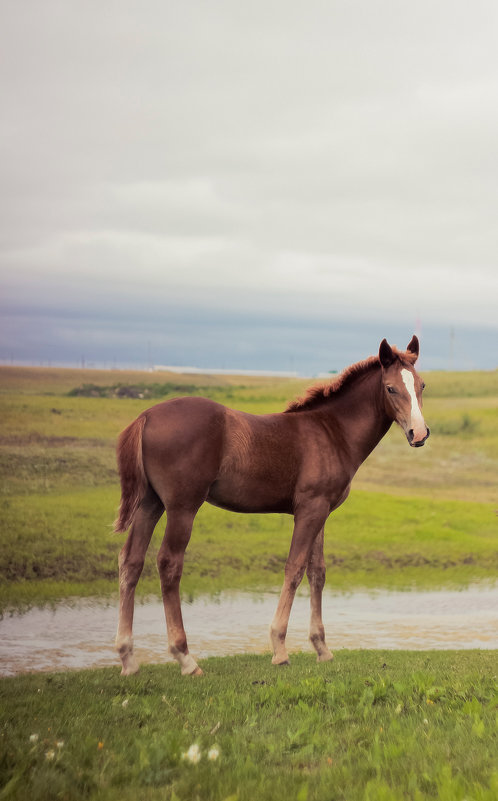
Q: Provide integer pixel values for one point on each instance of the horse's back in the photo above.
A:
(197, 449)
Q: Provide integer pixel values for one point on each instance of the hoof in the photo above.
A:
(128, 672)
(130, 665)
(197, 672)
(325, 657)
(280, 661)
(130, 669)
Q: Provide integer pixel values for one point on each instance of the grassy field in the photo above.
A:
(414, 518)
(371, 726)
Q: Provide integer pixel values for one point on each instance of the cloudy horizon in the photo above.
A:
(266, 186)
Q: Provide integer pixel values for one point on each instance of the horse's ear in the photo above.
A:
(413, 345)
(386, 354)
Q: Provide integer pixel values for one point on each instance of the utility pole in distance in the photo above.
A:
(452, 348)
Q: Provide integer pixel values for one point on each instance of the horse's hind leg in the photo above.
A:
(316, 577)
(170, 565)
(131, 562)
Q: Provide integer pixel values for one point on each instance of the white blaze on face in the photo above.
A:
(417, 418)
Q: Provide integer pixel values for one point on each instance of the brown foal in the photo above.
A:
(185, 451)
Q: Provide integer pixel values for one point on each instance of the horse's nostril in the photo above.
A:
(410, 435)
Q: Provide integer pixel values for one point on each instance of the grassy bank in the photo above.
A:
(371, 725)
(60, 544)
(424, 518)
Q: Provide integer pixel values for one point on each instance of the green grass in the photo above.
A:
(374, 726)
(471, 384)
(55, 540)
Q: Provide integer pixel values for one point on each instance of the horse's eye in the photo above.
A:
(391, 390)
(423, 384)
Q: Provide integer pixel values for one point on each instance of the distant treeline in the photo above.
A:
(146, 390)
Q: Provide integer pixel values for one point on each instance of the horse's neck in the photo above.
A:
(361, 413)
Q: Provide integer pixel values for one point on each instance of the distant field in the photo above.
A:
(415, 517)
(57, 381)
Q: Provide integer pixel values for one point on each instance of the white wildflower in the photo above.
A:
(193, 754)
(33, 738)
(60, 744)
(50, 755)
(125, 703)
(426, 722)
(213, 753)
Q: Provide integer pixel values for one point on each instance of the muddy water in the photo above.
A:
(80, 635)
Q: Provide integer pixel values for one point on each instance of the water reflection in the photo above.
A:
(80, 635)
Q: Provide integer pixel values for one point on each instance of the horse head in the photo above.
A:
(402, 388)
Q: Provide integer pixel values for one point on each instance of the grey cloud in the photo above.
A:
(327, 160)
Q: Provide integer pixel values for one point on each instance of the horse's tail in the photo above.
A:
(131, 472)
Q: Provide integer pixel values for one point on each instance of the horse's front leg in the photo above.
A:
(308, 522)
(170, 565)
(316, 577)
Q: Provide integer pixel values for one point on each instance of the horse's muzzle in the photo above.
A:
(419, 442)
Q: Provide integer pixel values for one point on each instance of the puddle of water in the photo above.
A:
(80, 635)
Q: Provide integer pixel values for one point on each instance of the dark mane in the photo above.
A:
(319, 393)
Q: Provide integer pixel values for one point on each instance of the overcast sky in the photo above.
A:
(254, 184)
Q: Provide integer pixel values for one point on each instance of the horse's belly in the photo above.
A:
(249, 497)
